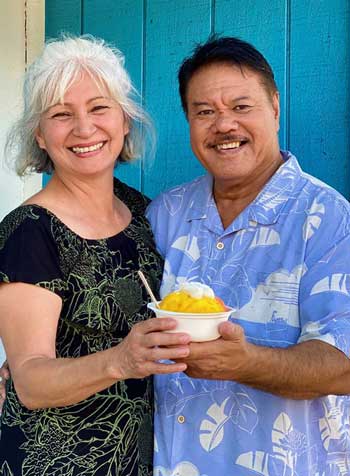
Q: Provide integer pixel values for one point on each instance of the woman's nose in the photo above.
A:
(83, 126)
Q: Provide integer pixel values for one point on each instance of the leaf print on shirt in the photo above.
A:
(187, 246)
(290, 451)
(174, 204)
(287, 443)
(169, 280)
(212, 428)
(338, 283)
(181, 390)
(184, 468)
(335, 432)
(264, 464)
(313, 220)
(265, 236)
(237, 408)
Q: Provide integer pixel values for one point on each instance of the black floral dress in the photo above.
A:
(111, 432)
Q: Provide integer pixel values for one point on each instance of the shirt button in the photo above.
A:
(181, 419)
(220, 245)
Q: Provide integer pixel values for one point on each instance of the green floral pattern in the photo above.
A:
(111, 432)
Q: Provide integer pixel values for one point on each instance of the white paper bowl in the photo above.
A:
(201, 327)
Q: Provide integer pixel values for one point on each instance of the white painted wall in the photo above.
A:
(21, 38)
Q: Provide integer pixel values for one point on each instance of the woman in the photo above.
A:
(77, 334)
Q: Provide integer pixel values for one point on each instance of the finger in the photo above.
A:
(156, 324)
(161, 369)
(166, 353)
(166, 339)
(230, 331)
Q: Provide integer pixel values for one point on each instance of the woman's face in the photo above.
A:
(85, 134)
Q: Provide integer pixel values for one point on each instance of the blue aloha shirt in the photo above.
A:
(284, 265)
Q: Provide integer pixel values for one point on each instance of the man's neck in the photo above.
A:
(232, 199)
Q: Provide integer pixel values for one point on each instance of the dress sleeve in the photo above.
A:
(28, 252)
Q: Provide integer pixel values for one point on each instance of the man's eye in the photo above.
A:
(205, 112)
(242, 107)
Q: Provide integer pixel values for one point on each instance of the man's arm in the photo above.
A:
(303, 371)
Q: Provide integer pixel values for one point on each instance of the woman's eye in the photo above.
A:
(61, 115)
(100, 108)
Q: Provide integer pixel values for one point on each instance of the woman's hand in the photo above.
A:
(147, 344)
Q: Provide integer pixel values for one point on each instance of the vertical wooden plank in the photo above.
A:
(121, 24)
(265, 25)
(172, 29)
(320, 89)
(62, 16)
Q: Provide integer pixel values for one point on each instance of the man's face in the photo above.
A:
(233, 124)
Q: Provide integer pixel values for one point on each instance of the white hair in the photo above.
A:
(48, 78)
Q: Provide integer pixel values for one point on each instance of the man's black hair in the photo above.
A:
(227, 50)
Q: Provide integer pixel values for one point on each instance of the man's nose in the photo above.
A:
(225, 122)
(83, 125)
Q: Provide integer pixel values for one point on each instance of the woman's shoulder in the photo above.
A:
(27, 218)
(135, 200)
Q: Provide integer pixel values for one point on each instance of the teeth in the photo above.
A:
(230, 145)
(82, 150)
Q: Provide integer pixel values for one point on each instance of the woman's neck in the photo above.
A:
(88, 207)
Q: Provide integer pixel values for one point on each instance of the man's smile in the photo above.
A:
(229, 145)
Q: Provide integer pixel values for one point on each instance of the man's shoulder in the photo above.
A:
(320, 191)
(180, 193)
(310, 188)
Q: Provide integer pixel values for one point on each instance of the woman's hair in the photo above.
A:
(62, 62)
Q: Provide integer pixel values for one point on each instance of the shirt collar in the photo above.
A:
(266, 207)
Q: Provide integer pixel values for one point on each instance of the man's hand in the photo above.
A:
(4, 375)
(222, 359)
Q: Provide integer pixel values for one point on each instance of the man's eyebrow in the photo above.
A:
(241, 98)
(234, 99)
(199, 103)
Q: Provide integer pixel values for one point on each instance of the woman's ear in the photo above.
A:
(126, 125)
(40, 139)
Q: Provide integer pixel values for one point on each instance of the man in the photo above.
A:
(271, 241)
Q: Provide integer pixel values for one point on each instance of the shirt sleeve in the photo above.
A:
(28, 252)
(325, 292)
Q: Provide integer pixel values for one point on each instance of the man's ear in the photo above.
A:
(276, 108)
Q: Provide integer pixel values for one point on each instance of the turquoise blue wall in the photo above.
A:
(306, 42)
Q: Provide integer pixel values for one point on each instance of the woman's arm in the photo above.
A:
(28, 326)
